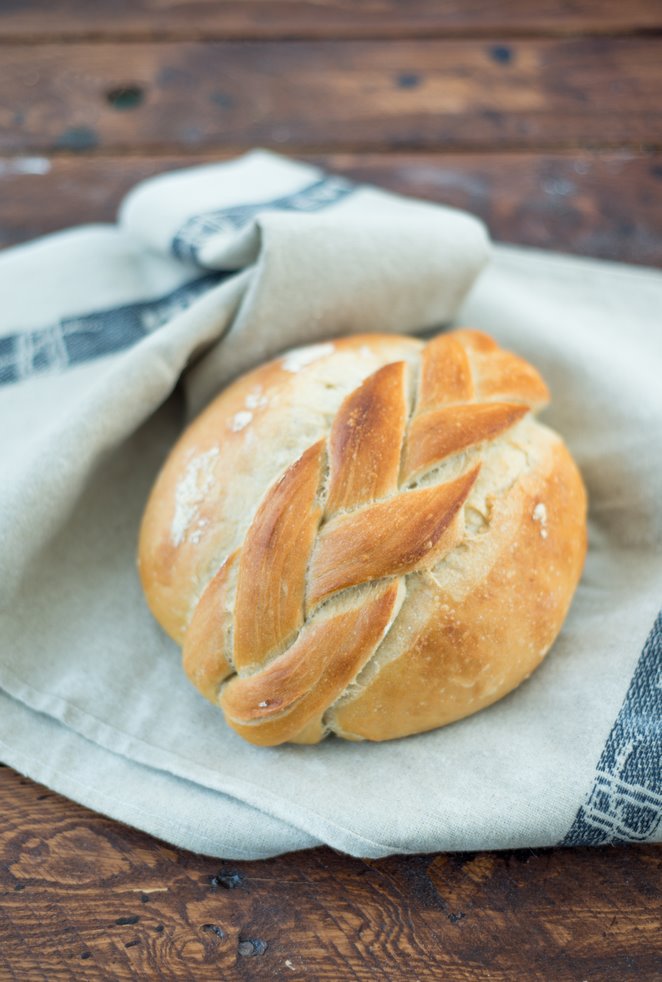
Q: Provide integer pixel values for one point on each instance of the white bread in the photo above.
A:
(371, 537)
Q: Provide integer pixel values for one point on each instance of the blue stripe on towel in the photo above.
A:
(625, 803)
(195, 232)
(73, 340)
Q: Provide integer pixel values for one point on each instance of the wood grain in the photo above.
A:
(598, 204)
(130, 19)
(104, 901)
(331, 95)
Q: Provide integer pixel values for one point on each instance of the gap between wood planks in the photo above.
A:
(212, 154)
(401, 34)
(41, 21)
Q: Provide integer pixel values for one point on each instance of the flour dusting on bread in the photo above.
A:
(190, 492)
(240, 420)
(540, 515)
(256, 399)
(302, 357)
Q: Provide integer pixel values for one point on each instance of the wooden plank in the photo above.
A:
(149, 19)
(85, 897)
(607, 205)
(601, 204)
(357, 95)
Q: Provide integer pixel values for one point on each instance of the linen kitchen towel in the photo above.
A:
(112, 336)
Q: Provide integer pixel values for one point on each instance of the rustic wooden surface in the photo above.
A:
(542, 118)
(351, 94)
(83, 897)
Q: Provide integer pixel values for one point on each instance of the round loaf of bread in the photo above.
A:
(370, 537)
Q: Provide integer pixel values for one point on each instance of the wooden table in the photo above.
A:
(542, 118)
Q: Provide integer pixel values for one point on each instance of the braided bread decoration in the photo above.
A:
(356, 527)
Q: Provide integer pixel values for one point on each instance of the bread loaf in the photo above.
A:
(370, 537)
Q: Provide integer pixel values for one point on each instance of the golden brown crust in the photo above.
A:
(419, 580)
(474, 648)
(216, 474)
(442, 432)
(206, 651)
(366, 440)
(274, 558)
(275, 704)
(407, 532)
(445, 374)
